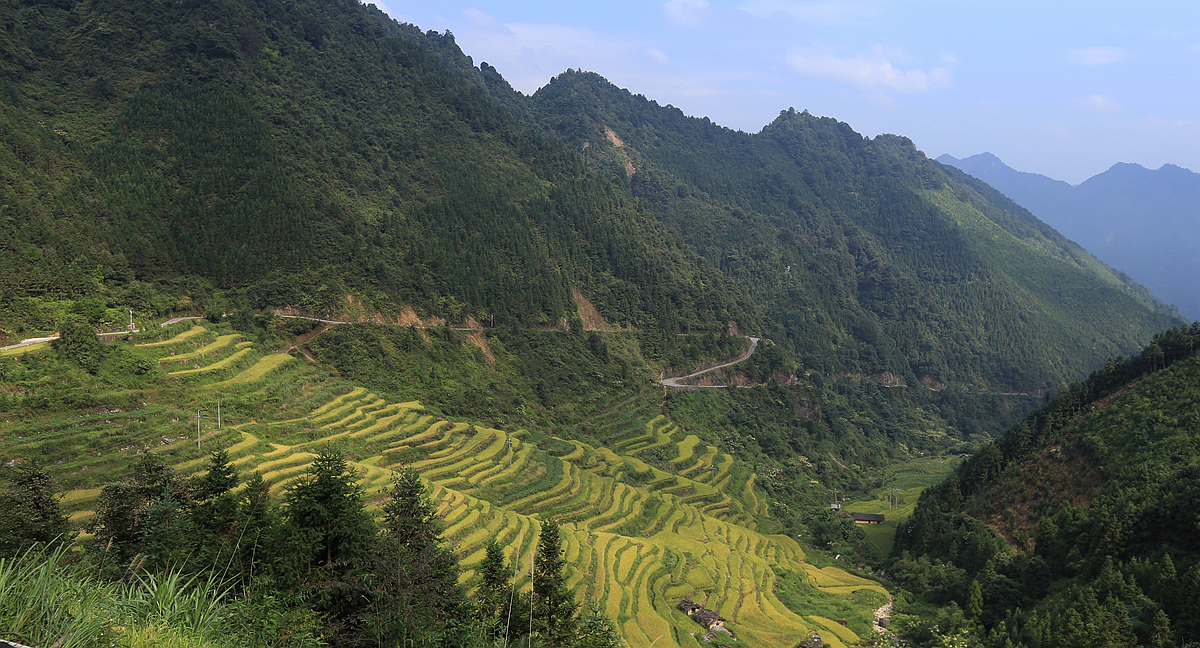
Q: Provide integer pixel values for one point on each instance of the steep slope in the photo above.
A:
(865, 256)
(1139, 221)
(292, 154)
(1097, 491)
(655, 517)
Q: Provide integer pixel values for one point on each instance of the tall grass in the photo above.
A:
(195, 602)
(44, 602)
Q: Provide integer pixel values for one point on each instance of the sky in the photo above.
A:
(1061, 88)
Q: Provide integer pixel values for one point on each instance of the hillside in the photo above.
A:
(862, 254)
(1139, 221)
(301, 155)
(256, 160)
(321, 157)
(1079, 523)
(656, 516)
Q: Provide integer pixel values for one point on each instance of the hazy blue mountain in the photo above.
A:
(1142, 222)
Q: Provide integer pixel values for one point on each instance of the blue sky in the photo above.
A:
(1065, 89)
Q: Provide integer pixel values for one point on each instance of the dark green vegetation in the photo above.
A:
(300, 153)
(638, 515)
(260, 156)
(862, 256)
(1096, 498)
(312, 569)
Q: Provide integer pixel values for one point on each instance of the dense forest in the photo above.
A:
(1078, 526)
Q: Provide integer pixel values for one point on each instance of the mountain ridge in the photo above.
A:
(1138, 220)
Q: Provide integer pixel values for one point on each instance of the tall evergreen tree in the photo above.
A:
(495, 591)
(29, 511)
(325, 511)
(416, 595)
(554, 605)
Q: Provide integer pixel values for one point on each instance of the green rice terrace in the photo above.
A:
(638, 538)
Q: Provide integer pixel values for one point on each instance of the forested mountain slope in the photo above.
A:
(298, 153)
(1140, 221)
(305, 151)
(863, 254)
(234, 157)
(1078, 527)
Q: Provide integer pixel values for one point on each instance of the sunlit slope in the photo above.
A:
(638, 538)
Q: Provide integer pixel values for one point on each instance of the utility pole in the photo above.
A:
(510, 453)
(218, 412)
(131, 320)
(198, 417)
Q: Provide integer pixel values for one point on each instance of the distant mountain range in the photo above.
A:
(1142, 222)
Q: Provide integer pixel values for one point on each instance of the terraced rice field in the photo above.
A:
(638, 537)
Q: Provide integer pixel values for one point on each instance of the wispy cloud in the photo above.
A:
(1160, 122)
(658, 56)
(1099, 103)
(828, 12)
(479, 19)
(874, 70)
(1093, 56)
(687, 13)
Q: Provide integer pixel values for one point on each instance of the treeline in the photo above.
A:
(1098, 490)
(309, 567)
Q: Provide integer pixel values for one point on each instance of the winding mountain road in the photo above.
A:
(673, 383)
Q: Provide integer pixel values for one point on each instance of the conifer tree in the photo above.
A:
(553, 604)
(325, 508)
(416, 595)
(334, 534)
(29, 511)
(494, 590)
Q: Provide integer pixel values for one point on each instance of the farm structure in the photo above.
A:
(865, 518)
(711, 621)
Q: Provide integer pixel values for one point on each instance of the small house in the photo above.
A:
(709, 619)
(867, 518)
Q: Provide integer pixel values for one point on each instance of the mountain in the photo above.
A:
(1079, 524)
(301, 155)
(246, 160)
(1140, 221)
(863, 254)
(317, 157)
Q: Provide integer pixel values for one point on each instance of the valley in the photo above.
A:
(421, 360)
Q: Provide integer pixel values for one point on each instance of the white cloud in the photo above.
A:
(1099, 103)
(1160, 122)
(657, 56)
(528, 55)
(865, 71)
(828, 12)
(687, 13)
(1093, 56)
(480, 19)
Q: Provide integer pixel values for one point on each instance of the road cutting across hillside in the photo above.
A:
(673, 383)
